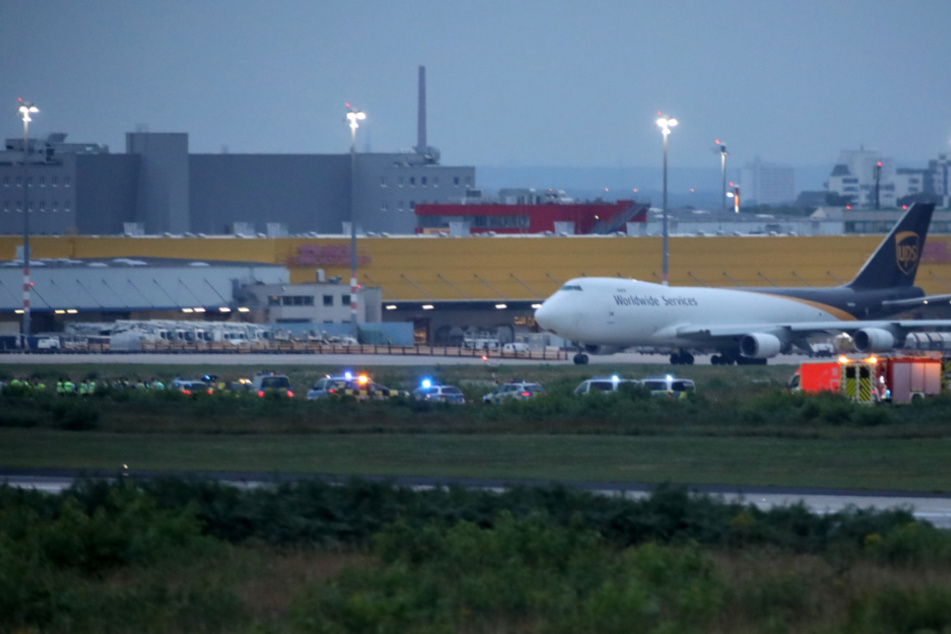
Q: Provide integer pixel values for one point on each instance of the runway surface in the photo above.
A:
(933, 509)
(369, 360)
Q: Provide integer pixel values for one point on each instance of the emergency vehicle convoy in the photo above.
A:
(872, 379)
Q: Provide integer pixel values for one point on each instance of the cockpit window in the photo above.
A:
(571, 287)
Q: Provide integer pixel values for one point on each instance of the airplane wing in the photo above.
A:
(917, 301)
(732, 331)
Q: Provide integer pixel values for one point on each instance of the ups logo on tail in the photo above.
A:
(906, 251)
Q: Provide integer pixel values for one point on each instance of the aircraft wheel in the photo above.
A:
(580, 359)
(715, 360)
(687, 358)
(674, 358)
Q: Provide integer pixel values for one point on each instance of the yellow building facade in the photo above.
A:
(519, 268)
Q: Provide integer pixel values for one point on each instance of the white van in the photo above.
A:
(517, 349)
(603, 384)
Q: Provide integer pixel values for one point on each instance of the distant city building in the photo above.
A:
(940, 177)
(854, 177)
(767, 183)
(865, 178)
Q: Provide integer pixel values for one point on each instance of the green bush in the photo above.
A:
(522, 573)
(911, 544)
(897, 610)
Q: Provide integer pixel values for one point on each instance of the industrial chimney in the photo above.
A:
(421, 111)
(431, 154)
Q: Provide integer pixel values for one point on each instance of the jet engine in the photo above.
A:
(873, 340)
(601, 350)
(760, 345)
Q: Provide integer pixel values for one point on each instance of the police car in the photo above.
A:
(514, 391)
(429, 391)
(269, 382)
(670, 386)
(359, 387)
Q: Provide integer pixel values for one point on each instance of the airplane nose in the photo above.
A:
(543, 316)
(549, 318)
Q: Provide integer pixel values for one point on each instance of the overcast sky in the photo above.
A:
(510, 82)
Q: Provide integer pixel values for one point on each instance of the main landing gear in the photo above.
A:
(580, 359)
(681, 357)
(729, 358)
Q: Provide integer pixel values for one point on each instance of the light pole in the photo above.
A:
(722, 172)
(25, 110)
(353, 116)
(665, 124)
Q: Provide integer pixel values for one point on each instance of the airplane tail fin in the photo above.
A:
(895, 261)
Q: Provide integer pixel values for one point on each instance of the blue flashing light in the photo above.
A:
(348, 374)
(615, 378)
(426, 383)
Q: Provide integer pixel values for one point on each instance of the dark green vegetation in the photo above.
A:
(184, 556)
(740, 427)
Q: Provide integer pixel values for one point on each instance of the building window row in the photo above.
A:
(424, 181)
(40, 206)
(501, 222)
(290, 300)
(41, 181)
(400, 206)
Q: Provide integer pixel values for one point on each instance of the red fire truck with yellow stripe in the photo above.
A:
(898, 379)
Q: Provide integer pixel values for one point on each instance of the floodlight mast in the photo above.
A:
(665, 124)
(354, 117)
(25, 110)
(723, 154)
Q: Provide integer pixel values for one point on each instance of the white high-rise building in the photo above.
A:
(767, 183)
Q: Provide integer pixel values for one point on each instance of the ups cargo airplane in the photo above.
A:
(749, 325)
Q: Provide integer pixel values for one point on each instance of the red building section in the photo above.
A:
(587, 218)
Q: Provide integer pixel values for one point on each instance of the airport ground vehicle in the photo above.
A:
(514, 391)
(671, 386)
(871, 379)
(603, 384)
(516, 349)
(269, 382)
(328, 386)
(192, 386)
(429, 391)
(359, 387)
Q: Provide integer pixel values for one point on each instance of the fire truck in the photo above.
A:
(872, 379)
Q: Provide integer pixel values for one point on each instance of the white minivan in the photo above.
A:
(603, 384)
(518, 349)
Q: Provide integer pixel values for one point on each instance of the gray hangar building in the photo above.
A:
(157, 187)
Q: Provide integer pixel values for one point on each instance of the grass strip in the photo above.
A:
(907, 465)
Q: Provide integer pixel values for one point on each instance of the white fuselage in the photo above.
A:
(621, 312)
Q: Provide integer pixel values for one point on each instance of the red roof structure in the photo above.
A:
(501, 218)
